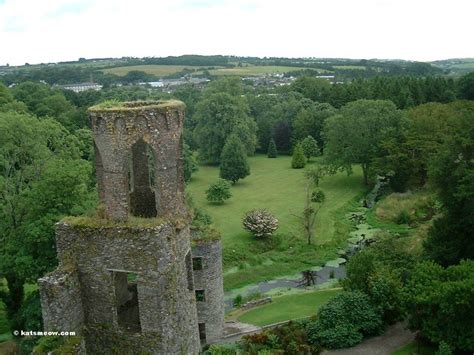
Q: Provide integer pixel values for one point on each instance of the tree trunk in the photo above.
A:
(365, 170)
(15, 294)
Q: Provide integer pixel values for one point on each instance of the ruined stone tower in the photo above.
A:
(126, 277)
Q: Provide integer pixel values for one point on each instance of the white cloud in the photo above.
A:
(38, 31)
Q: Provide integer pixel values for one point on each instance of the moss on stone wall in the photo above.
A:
(57, 345)
(204, 234)
(97, 222)
(113, 105)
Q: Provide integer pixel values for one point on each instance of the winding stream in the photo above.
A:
(333, 270)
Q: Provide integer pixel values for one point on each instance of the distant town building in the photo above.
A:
(81, 87)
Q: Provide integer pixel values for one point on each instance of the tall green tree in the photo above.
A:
(234, 165)
(272, 150)
(42, 178)
(217, 117)
(298, 161)
(354, 135)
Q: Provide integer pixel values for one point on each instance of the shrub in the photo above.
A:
(219, 192)
(238, 300)
(403, 217)
(318, 196)
(444, 349)
(260, 223)
(299, 160)
(201, 218)
(272, 150)
(310, 147)
(190, 164)
(344, 321)
(341, 336)
(290, 338)
(221, 349)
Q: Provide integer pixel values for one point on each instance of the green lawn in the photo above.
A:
(274, 185)
(288, 307)
(415, 348)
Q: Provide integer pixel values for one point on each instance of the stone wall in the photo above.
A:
(209, 279)
(120, 135)
(167, 309)
(61, 301)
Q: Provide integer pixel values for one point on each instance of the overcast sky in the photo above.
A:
(36, 31)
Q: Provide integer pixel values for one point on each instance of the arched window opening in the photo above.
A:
(142, 180)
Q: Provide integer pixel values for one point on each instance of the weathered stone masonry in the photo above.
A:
(127, 283)
(207, 265)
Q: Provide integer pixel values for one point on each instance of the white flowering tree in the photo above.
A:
(261, 223)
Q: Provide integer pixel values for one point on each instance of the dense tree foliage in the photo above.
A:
(406, 158)
(466, 87)
(43, 178)
(354, 136)
(310, 122)
(440, 303)
(344, 321)
(218, 116)
(452, 171)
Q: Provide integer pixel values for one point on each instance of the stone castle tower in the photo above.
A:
(137, 278)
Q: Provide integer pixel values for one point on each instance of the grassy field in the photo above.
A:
(255, 70)
(350, 67)
(415, 348)
(274, 185)
(163, 70)
(288, 307)
(158, 70)
(419, 209)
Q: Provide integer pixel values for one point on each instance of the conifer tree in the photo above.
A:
(299, 160)
(234, 164)
(272, 149)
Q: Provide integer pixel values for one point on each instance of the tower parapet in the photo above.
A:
(139, 161)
